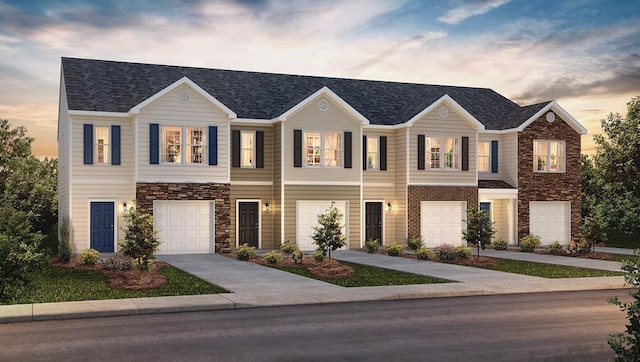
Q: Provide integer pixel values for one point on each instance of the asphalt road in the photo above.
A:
(568, 326)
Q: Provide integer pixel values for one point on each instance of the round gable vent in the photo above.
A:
(443, 111)
(323, 105)
(184, 97)
(551, 117)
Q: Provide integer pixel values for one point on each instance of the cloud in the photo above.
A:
(469, 9)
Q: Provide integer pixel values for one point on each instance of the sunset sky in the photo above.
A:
(585, 54)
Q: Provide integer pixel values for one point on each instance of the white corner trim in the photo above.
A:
(446, 99)
(553, 106)
(324, 91)
(184, 81)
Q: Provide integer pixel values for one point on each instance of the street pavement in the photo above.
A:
(253, 285)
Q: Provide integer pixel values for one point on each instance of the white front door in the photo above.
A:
(442, 222)
(307, 218)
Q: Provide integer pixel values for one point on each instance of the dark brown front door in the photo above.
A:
(373, 221)
(248, 227)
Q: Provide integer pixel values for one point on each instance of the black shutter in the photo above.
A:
(297, 148)
(421, 152)
(259, 149)
(88, 144)
(235, 148)
(348, 154)
(213, 146)
(494, 156)
(383, 153)
(154, 143)
(115, 145)
(465, 153)
(364, 153)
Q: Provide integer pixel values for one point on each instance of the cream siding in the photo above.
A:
(432, 125)
(252, 193)
(277, 183)
(198, 112)
(380, 176)
(399, 203)
(500, 218)
(252, 174)
(64, 161)
(383, 194)
(509, 155)
(500, 175)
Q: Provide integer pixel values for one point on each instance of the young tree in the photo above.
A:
(140, 240)
(479, 229)
(328, 235)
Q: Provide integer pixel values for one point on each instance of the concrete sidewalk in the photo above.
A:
(254, 285)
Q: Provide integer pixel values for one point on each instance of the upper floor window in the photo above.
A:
(182, 144)
(484, 156)
(323, 149)
(372, 153)
(102, 145)
(443, 153)
(247, 149)
(548, 156)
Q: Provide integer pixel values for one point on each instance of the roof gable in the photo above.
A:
(326, 92)
(446, 100)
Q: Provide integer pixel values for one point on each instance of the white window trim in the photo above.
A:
(488, 170)
(563, 156)
(442, 152)
(322, 148)
(377, 152)
(96, 145)
(184, 145)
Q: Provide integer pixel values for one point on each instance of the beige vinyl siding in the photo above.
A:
(325, 193)
(251, 173)
(198, 112)
(334, 119)
(500, 175)
(86, 173)
(509, 158)
(400, 202)
(380, 176)
(277, 182)
(99, 190)
(264, 194)
(500, 218)
(384, 194)
(432, 125)
(64, 152)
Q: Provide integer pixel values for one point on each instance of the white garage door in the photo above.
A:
(441, 222)
(185, 227)
(550, 220)
(307, 218)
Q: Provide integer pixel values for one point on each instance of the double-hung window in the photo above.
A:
(484, 156)
(443, 153)
(323, 149)
(548, 156)
(247, 149)
(102, 145)
(182, 144)
(372, 153)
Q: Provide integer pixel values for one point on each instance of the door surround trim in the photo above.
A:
(115, 221)
(383, 215)
(237, 214)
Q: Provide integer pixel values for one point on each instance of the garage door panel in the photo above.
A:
(550, 220)
(307, 217)
(184, 226)
(442, 222)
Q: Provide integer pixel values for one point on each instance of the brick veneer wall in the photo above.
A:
(146, 193)
(416, 194)
(536, 186)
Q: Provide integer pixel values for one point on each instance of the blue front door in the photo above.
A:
(486, 206)
(102, 226)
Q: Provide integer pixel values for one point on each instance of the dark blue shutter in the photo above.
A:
(88, 144)
(297, 148)
(235, 148)
(465, 153)
(259, 149)
(364, 153)
(115, 145)
(421, 152)
(154, 143)
(213, 145)
(383, 153)
(494, 156)
(348, 153)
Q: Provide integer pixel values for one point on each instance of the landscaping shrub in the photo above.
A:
(289, 247)
(318, 256)
(463, 252)
(89, 257)
(445, 252)
(555, 248)
(64, 242)
(424, 253)
(297, 256)
(571, 248)
(414, 243)
(140, 239)
(273, 257)
(584, 247)
(118, 263)
(626, 345)
(371, 245)
(245, 252)
(529, 243)
(394, 249)
(499, 244)
(19, 260)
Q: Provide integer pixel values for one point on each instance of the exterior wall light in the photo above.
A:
(124, 207)
(389, 207)
(267, 206)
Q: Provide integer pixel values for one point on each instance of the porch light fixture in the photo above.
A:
(389, 207)
(124, 207)
(267, 206)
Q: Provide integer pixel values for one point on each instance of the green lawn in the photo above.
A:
(63, 285)
(617, 239)
(547, 270)
(369, 276)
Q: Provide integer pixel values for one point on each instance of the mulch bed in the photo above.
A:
(326, 269)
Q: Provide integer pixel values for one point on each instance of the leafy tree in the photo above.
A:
(589, 185)
(14, 143)
(592, 231)
(328, 235)
(140, 240)
(479, 229)
(626, 345)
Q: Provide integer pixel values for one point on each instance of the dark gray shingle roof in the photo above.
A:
(108, 86)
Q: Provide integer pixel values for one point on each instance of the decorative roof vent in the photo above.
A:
(551, 117)
(184, 97)
(323, 105)
(443, 111)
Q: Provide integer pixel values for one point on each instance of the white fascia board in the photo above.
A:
(98, 114)
(446, 99)
(384, 126)
(184, 81)
(325, 91)
(553, 106)
(254, 121)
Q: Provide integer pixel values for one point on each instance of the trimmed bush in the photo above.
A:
(414, 243)
(571, 248)
(555, 248)
(499, 244)
(463, 252)
(424, 253)
(89, 257)
(529, 243)
(371, 245)
(118, 263)
(584, 247)
(140, 238)
(297, 256)
(318, 256)
(273, 257)
(288, 247)
(64, 241)
(245, 252)
(394, 249)
(445, 252)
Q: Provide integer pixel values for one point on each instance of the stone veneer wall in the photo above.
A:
(146, 193)
(416, 194)
(536, 186)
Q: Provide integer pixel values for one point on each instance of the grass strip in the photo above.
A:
(65, 285)
(545, 270)
(368, 276)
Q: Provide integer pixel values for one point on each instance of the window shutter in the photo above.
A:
(364, 153)
(297, 148)
(494, 156)
(259, 149)
(88, 144)
(347, 150)
(154, 143)
(213, 146)
(465, 153)
(383, 153)
(421, 152)
(115, 145)
(235, 148)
